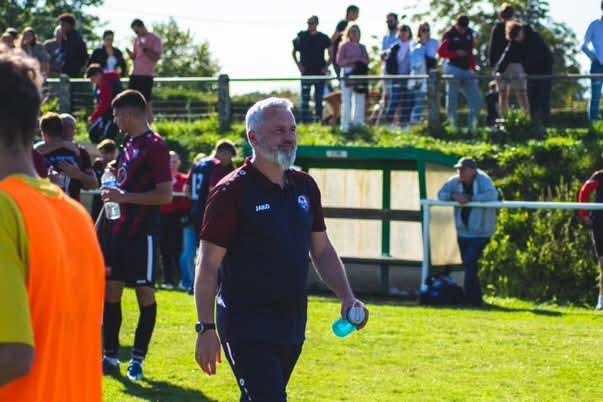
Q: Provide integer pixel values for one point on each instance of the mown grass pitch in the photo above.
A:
(509, 351)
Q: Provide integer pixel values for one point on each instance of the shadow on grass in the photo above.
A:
(159, 390)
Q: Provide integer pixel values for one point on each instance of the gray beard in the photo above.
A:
(286, 159)
(282, 158)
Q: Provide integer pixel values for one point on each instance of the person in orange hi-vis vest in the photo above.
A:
(52, 277)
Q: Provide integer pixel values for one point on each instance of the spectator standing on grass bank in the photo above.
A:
(498, 37)
(108, 57)
(398, 63)
(593, 48)
(458, 46)
(50, 291)
(474, 226)
(388, 40)
(351, 15)
(353, 59)
(145, 55)
(261, 224)
(595, 220)
(130, 243)
(53, 48)
(73, 48)
(510, 74)
(203, 176)
(29, 44)
(311, 46)
(171, 224)
(538, 61)
(423, 58)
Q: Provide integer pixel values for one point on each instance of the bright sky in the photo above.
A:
(253, 38)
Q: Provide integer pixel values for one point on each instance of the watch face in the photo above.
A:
(199, 327)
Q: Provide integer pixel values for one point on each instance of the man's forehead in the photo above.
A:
(279, 116)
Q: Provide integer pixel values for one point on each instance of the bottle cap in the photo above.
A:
(356, 315)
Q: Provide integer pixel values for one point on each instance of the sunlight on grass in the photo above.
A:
(511, 350)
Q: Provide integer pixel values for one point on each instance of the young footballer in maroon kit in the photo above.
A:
(145, 183)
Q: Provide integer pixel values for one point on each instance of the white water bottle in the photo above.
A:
(112, 210)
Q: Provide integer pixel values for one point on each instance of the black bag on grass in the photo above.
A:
(441, 291)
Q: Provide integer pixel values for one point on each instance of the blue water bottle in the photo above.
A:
(344, 327)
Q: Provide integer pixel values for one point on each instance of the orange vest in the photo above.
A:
(66, 285)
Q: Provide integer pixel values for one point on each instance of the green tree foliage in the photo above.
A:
(182, 57)
(42, 15)
(483, 15)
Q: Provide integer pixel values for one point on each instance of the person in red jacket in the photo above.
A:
(108, 86)
(595, 219)
(170, 232)
(458, 47)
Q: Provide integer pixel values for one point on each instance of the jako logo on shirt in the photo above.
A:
(303, 202)
(262, 207)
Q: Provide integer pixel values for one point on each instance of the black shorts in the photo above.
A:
(598, 238)
(262, 369)
(132, 260)
(143, 84)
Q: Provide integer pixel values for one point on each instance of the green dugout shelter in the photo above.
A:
(371, 199)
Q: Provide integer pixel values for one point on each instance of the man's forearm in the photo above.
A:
(332, 272)
(206, 286)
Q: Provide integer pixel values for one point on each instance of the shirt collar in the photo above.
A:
(261, 178)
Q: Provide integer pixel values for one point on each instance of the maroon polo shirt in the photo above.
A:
(267, 232)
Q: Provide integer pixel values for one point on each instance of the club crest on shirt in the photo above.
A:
(122, 175)
(303, 202)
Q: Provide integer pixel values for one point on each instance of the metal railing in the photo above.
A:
(427, 204)
(418, 99)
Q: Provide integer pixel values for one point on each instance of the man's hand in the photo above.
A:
(300, 68)
(461, 198)
(587, 221)
(113, 194)
(207, 352)
(350, 302)
(70, 170)
(462, 53)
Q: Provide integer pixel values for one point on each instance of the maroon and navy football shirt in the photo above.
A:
(142, 165)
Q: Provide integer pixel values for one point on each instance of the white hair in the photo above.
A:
(257, 113)
(67, 117)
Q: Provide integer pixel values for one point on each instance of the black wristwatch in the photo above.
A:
(202, 327)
